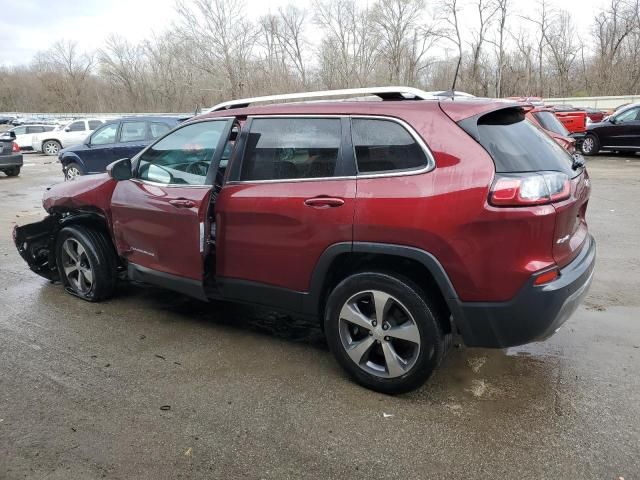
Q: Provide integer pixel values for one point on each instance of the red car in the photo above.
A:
(544, 118)
(395, 223)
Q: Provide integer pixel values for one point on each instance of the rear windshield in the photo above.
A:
(550, 122)
(516, 145)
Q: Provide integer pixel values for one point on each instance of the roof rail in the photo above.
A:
(385, 93)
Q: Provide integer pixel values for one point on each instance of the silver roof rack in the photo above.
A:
(385, 93)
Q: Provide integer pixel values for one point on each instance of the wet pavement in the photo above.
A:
(154, 385)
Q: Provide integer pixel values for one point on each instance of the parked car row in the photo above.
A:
(112, 140)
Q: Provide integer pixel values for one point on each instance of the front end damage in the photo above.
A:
(36, 244)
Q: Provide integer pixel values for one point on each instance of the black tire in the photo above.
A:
(51, 147)
(12, 172)
(425, 316)
(100, 256)
(590, 145)
(72, 170)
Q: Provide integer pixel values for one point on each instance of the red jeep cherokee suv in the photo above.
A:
(395, 223)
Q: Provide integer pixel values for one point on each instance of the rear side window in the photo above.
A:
(93, 124)
(133, 131)
(290, 148)
(517, 145)
(76, 127)
(550, 122)
(158, 129)
(385, 146)
(35, 129)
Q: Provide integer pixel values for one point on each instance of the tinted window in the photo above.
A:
(93, 124)
(182, 157)
(34, 129)
(133, 131)
(550, 122)
(385, 145)
(76, 127)
(105, 135)
(516, 145)
(20, 130)
(286, 148)
(158, 129)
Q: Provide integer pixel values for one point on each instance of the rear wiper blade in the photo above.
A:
(577, 162)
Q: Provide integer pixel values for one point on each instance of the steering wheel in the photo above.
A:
(198, 168)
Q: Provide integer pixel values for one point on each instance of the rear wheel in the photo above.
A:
(12, 172)
(384, 331)
(87, 262)
(590, 145)
(51, 147)
(72, 171)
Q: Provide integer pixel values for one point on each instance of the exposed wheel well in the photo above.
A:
(347, 264)
(88, 218)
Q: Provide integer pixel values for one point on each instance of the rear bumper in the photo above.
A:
(535, 313)
(9, 161)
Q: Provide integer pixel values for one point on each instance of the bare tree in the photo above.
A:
(450, 15)
(486, 11)
(220, 37)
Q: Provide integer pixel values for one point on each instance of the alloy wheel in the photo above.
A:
(379, 334)
(587, 145)
(71, 173)
(51, 148)
(76, 266)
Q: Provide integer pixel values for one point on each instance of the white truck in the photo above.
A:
(73, 133)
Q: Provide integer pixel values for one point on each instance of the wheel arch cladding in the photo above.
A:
(344, 259)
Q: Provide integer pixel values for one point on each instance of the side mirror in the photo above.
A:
(120, 169)
(67, 129)
(612, 119)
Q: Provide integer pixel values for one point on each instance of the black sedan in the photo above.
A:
(619, 132)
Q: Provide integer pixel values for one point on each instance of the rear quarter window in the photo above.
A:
(385, 146)
(516, 145)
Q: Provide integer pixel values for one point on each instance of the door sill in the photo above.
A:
(187, 286)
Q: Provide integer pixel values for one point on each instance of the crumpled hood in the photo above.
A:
(84, 192)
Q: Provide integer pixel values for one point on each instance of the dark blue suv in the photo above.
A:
(120, 138)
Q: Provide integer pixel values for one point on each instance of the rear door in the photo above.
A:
(160, 215)
(289, 198)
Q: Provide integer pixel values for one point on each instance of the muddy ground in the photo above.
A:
(154, 385)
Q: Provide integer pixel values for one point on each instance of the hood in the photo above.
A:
(91, 192)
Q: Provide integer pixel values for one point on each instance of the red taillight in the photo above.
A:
(536, 188)
(15, 148)
(546, 277)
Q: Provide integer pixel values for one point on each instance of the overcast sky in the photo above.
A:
(27, 26)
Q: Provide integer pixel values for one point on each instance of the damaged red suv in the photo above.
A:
(395, 223)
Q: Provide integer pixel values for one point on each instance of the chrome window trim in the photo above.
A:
(431, 163)
(170, 185)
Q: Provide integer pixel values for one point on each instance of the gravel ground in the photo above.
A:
(155, 385)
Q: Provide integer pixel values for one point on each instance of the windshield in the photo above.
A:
(550, 122)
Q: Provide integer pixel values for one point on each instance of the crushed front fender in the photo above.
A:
(36, 244)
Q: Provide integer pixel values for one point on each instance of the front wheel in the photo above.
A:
(87, 262)
(384, 331)
(590, 145)
(72, 171)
